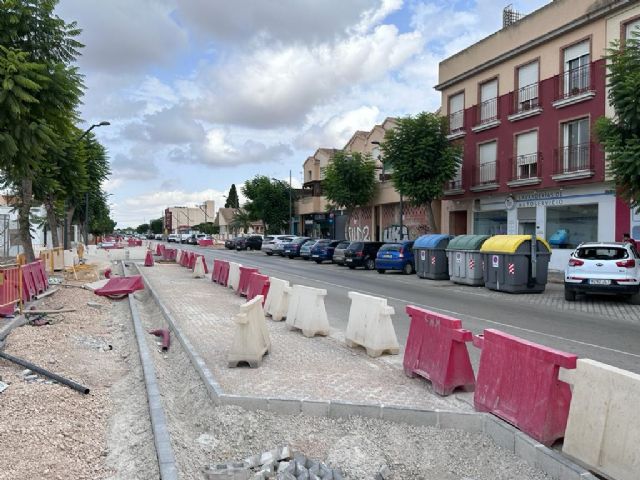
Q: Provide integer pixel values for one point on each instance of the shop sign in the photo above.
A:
(540, 199)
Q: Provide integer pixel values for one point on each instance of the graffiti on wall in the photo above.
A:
(393, 234)
(359, 233)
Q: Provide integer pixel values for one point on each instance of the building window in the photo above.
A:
(456, 113)
(632, 30)
(576, 77)
(488, 101)
(456, 182)
(486, 166)
(490, 223)
(575, 153)
(527, 94)
(527, 158)
(570, 225)
(309, 175)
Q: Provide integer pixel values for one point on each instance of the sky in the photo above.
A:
(201, 94)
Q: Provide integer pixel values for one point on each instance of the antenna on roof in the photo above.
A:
(510, 16)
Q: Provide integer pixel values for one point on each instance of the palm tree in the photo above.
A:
(241, 221)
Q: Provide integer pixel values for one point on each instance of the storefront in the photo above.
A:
(565, 217)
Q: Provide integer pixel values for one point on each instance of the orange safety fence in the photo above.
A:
(10, 288)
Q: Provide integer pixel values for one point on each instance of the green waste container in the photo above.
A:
(430, 256)
(509, 265)
(465, 259)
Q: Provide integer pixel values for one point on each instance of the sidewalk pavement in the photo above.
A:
(319, 368)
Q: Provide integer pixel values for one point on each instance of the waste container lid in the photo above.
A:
(508, 243)
(431, 241)
(467, 242)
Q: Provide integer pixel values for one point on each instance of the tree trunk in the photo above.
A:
(52, 220)
(24, 212)
(69, 214)
(432, 226)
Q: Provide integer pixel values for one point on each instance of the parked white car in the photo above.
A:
(271, 243)
(603, 268)
(173, 237)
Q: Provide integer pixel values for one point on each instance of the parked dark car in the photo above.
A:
(338, 252)
(192, 240)
(323, 250)
(396, 256)
(362, 254)
(292, 249)
(252, 242)
(230, 243)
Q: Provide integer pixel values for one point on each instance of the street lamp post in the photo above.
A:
(86, 196)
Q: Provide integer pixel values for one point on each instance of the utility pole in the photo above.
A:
(290, 206)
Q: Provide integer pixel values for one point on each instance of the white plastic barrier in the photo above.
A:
(603, 430)
(234, 275)
(251, 338)
(70, 258)
(370, 325)
(307, 311)
(277, 301)
(58, 259)
(199, 267)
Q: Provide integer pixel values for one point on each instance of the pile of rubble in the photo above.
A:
(280, 464)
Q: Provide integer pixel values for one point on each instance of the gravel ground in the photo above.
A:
(50, 431)
(203, 433)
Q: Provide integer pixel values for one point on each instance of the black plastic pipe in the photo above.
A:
(46, 373)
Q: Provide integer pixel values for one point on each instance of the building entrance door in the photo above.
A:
(458, 222)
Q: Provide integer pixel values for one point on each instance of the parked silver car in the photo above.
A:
(271, 242)
(338, 253)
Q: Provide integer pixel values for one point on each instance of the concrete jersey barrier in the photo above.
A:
(370, 325)
(603, 429)
(277, 301)
(251, 338)
(307, 312)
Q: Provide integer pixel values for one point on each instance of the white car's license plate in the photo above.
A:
(388, 256)
(315, 256)
(594, 281)
(349, 260)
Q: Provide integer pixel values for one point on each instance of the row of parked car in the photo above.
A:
(369, 255)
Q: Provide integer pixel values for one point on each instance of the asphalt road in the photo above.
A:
(610, 334)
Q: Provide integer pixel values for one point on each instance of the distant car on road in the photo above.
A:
(230, 243)
(396, 256)
(278, 248)
(305, 249)
(158, 236)
(362, 254)
(603, 268)
(173, 238)
(323, 250)
(270, 243)
(252, 242)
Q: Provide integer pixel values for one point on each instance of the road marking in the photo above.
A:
(451, 312)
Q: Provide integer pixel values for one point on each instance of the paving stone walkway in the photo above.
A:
(319, 368)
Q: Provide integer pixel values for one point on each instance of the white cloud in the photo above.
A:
(337, 130)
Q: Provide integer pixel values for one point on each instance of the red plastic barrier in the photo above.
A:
(119, 287)
(9, 290)
(159, 249)
(200, 258)
(205, 242)
(217, 265)
(243, 282)
(148, 259)
(518, 382)
(28, 284)
(184, 258)
(258, 285)
(223, 275)
(192, 260)
(436, 350)
(40, 276)
(169, 254)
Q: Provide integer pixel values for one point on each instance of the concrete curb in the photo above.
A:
(161, 437)
(503, 434)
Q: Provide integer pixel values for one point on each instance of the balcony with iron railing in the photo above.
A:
(526, 169)
(456, 125)
(575, 85)
(574, 161)
(485, 176)
(487, 115)
(454, 186)
(525, 102)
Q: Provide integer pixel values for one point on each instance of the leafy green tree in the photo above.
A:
(422, 158)
(349, 180)
(241, 221)
(267, 200)
(207, 227)
(39, 95)
(620, 136)
(142, 228)
(232, 198)
(156, 225)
